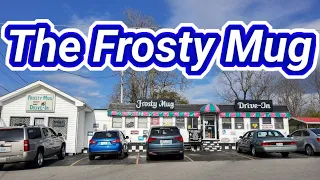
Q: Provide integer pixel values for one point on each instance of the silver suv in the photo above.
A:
(30, 144)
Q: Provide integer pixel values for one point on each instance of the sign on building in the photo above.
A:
(44, 103)
(253, 105)
(155, 104)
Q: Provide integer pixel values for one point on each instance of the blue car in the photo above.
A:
(111, 142)
(165, 140)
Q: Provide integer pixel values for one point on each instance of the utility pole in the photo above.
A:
(122, 72)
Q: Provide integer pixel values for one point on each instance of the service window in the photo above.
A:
(155, 121)
(117, 122)
(254, 123)
(34, 133)
(167, 121)
(129, 122)
(226, 123)
(266, 120)
(18, 121)
(142, 122)
(278, 123)
(192, 122)
(180, 122)
(239, 123)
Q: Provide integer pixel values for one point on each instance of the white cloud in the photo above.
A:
(95, 94)
(215, 13)
(70, 79)
(84, 23)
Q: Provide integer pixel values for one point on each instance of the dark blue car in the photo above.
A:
(165, 140)
(108, 143)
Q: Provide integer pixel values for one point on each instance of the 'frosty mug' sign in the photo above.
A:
(253, 105)
(155, 104)
(40, 103)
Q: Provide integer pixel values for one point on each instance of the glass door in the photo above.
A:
(38, 121)
(209, 128)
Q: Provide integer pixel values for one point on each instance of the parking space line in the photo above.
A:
(188, 158)
(138, 157)
(239, 155)
(78, 161)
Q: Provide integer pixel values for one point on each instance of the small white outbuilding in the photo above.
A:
(41, 104)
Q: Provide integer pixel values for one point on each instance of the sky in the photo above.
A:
(167, 13)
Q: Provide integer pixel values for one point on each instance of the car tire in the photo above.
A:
(284, 154)
(1, 166)
(62, 153)
(253, 151)
(309, 150)
(121, 155)
(38, 160)
(181, 156)
(238, 149)
(149, 157)
(92, 157)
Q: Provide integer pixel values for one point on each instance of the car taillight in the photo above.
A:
(116, 141)
(292, 143)
(26, 146)
(318, 139)
(179, 138)
(93, 141)
(151, 139)
(265, 144)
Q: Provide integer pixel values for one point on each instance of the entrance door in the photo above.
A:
(210, 128)
(38, 121)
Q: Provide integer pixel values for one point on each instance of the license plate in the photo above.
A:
(165, 141)
(279, 144)
(103, 143)
(5, 149)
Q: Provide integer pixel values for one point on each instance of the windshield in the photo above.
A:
(102, 135)
(165, 131)
(316, 131)
(11, 134)
(262, 134)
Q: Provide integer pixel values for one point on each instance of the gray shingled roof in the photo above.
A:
(188, 107)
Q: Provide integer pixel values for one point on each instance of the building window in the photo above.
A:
(180, 122)
(129, 122)
(17, 121)
(239, 124)
(117, 122)
(192, 123)
(59, 124)
(254, 123)
(226, 123)
(167, 121)
(266, 120)
(155, 121)
(142, 122)
(278, 123)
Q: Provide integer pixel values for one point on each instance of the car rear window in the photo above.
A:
(14, 134)
(165, 131)
(102, 135)
(262, 134)
(316, 131)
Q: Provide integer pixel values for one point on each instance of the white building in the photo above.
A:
(40, 103)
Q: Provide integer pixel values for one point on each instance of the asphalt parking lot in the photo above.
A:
(140, 158)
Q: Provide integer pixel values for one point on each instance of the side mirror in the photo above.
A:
(240, 137)
(127, 137)
(289, 135)
(59, 134)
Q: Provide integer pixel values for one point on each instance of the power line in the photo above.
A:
(89, 77)
(13, 71)
(13, 80)
(4, 88)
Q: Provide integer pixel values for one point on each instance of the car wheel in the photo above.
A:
(149, 157)
(238, 149)
(309, 150)
(181, 156)
(1, 166)
(38, 160)
(121, 155)
(285, 154)
(62, 153)
(91, 157)
(253, 151)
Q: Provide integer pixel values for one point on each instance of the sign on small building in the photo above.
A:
(155, 104)
(44, 103)
(253, 106)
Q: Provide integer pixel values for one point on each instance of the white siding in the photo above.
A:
(80, 131)
(63, 108)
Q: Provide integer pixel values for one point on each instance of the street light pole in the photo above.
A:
(122, 72)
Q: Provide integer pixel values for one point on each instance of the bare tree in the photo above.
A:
(245, 85)
(291, 93)
(147, 84)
